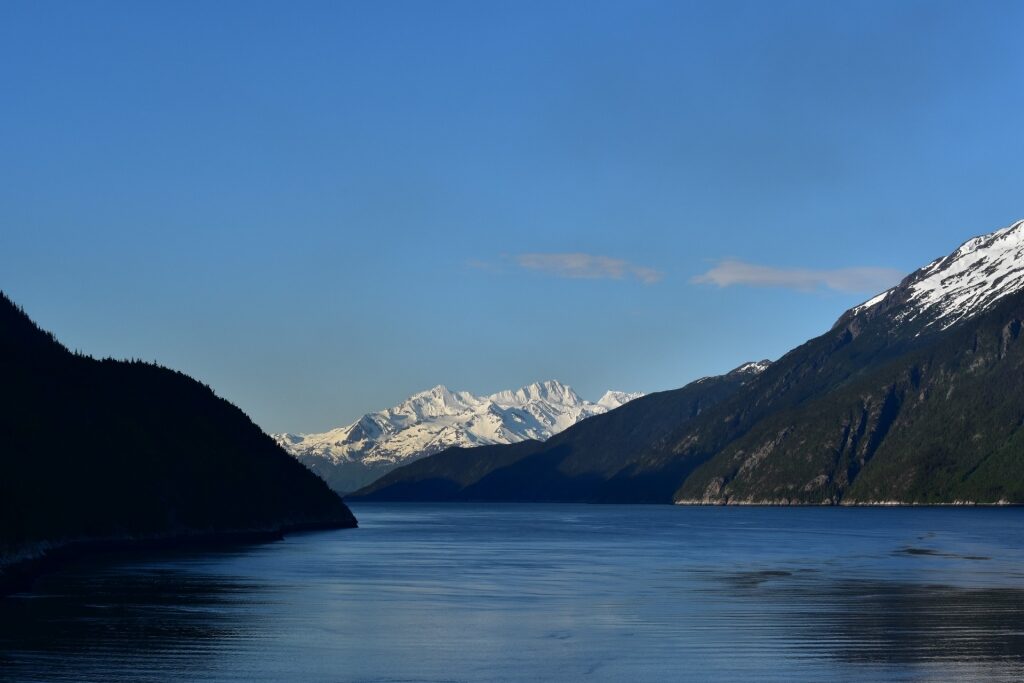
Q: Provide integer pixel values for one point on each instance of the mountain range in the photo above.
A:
(914, 397)
(353, 456)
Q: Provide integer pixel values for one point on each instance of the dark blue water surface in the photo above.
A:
(462, 592)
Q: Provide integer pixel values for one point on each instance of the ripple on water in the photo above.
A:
(541, 592)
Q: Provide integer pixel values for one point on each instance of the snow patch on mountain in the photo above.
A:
(613, 399)
(753, 368)
(972, 278)
(979, 273)
(428, 422)
(750, 369)
(871, 302)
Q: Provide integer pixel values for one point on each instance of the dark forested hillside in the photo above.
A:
(101, 450)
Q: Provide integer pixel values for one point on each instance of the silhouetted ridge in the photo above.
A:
(21, 335)
(105, 452)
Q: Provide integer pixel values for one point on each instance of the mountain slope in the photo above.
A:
(930, 407)
(599, 459)
(428, 422)
(108, 451)
(914, 396)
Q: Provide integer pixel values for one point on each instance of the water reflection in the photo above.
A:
(100, 623)
(876, 621)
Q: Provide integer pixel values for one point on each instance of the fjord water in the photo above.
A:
(462, 592)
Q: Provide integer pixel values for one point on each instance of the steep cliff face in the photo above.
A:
(106, 451)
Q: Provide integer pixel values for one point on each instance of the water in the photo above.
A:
(453, 592)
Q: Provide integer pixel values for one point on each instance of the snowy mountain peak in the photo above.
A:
(613, 399)
(438, 418)
(753, 368)
(426, 405)
(981, 271)
(551, 391)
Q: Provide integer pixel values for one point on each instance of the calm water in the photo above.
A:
(550, 592)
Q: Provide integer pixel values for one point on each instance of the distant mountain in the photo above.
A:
(915, 396)
(428, 422)
(600, 459)
(102, 453)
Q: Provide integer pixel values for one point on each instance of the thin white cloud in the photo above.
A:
(587, 266)
(853, 280)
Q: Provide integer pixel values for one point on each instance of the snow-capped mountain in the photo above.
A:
(428, 422)
(958, 286)
(753, 368)
(915, 397)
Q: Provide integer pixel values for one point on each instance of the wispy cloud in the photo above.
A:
(853, 280)
(587, 266)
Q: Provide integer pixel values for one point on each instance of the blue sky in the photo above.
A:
(319, 208)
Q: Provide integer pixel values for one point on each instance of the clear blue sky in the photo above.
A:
(319, 208)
